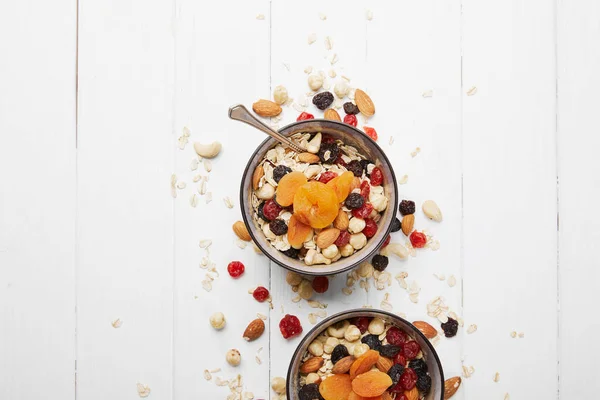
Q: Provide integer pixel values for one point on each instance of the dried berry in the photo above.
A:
(327, 176)
(365, 164)
(351, 120)
(328, 152)
(396, 225)
(419, 366)
(290, 326)
(396, 336)
(376, 176)
(279, 172)
(379, 262)
(355, 167)
(424, 384)
(350, 108)
(400, 359)
(270, 210)
(371, 132)
(450, 328)
(407, 207)
(260, 294)
(235, 269)
(260, 213)
(386, 241)
(418, 239)
(343, 239)
(362, 323)
(389, 350)
(304, 116)
(327, 139)
(323, 100)
(364, 211)
(340, 351)
(395, 372)
(340, 161)
(354, 201)
(370, 228)
(320, 284)
(278, 227)
(310, 392)
(372, 341)
(291, 252)
(365, 189)
(411, 349)
(408, 379)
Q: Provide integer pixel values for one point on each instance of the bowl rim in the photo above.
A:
(324, 324)
(247, 222)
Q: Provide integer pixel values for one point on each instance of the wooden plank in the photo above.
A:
(578, 163)
(37, 204)
(222, 59)
(509, 183)
(125, 209)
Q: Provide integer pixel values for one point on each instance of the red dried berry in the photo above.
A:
(365, 189)
(343, 239)
(362, 323)
(371, 132)
(320, 284)
(387, 241)
(325, 139)
(408, 379)
(411, 349)
(364, 211)
(418, 239)
(304, 116)
(260, 294)
(271, 209)
(376, 176)
(340, 161)
(327, 176)
(350, 120)
(396, 336)
(370, 228)
(400, 359)
(235, 269)
(290, 326)
(402, 397)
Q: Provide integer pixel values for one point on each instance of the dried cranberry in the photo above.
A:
(386, 241)
(340, 161)
(304, 116)
(408, 379)
(351, 108)
(396, 336)
(371, 132)
(402, 396)
(327, 139)
(235, 269)
(364, 211)
(280, 171)
(320, 284)
(376, 176)
(396, 225)
(350, 119)
(450, 327)
(260, 294)
(327, 176)
(411, 349)
(328, 152)
(418, 239)
(400, 359)
(355, 167)
(271, 210)
(365, 189)
(362, 323)
(343, 239)
(370, 228)
(278, 227)
(290, 326)
(407, 207)
(380, 262)
(354, 201)
(323, 100)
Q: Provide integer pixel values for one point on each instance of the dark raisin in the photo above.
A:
(395, 373)
(419, 366)
(280, 171)
(450, 328)
(372, 341)
(379, 262)
(351, 108)
(407, 207)
(310, 392)
(365, 163)
(340, 351)
(396, 225)
(291, 252)
(355, 167)
(328, 152)
(389, 350)
(278, 227)
(424, 384)
(261, 215)
(354, 201)
(323, 100)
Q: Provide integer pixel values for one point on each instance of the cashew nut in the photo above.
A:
(313, 258)
(315, 144)
(395, 248)
(338, 329)
(330, 251)
(207, 150)
(312, 170)
(266, 192)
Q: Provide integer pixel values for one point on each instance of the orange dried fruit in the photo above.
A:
(315, 204)
(297, 232)
(386, 396)
(364, 363)
(288, 186)
(342, 185)
(354, 396)
(372, 383)
(336, 387)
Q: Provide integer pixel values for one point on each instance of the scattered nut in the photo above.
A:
(278, 385)
(432, 211)
(207, 150)
(341, 89)
(233, 357)
(315, 81)
(332, 115)
(305, 289)
(254, 330)
(364, 103)
(408, 224)
(293, 278)
(217, 320)
(266, 108)
(280, 95)
(239, 228)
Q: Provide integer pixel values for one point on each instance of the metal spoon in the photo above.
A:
(241, 113)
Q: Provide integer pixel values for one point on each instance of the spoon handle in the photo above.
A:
(241, 113)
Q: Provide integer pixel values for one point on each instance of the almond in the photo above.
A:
(266, 108)
(332, 115)
(451, 386)
(239, 228)
(308, 158)
(384, 364)
(412, 394)
(311, 365)
(343, 365)
(259, 172)
(426, 329)
(364, 103)
(432, 211)
(341, 221)
(408, 224)
(254, 330)
(327, 236)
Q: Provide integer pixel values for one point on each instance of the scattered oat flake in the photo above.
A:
(451, 281)
(287, 66)
(143, 390)
(334, 59)
(228, 202)
(258, 360)
(369, 15)
(391, 140)
(207, 165)
(308, 70)
(241, 244)
(193, 200)
(260, 17)
(415, 152)
(261, 316)
(521, 335)
(205, 243)
(207, 375)
(208, 197)
(506, 396)
(347, 291)
(181, 185)
(403, 180)
(312, 318)
(428, 93)
(472, 91)
(322, 16)
(497, 377)
(249, 395)
(441, 277)
(468, 371)
(328, 43)
(117, 323)
(221, 382)
(332, 73)
(316, 304)
(194, 164)
(311, 39)
(472, 328)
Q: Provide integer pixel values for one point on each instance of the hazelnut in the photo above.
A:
(352, 333)
(293, 279)
(233, 357)
(316, 348)
(376, 326)
(347, 250)
(358, 240)
(378, 201)
(313, 378)
(330, 344)
(330, 251)
(278, 385)
(360, 349)
(217, 320)
(356, 225)
(305, 289)
(341, 89)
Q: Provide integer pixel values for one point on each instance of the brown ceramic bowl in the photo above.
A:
(367, 147)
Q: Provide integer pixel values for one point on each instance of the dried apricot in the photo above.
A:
(297, 232)
(364, 363)
(354, 396)
(386, 396)
(372, 383)
(336, 387)
(315, 204)
(288, 186)
(342, 185)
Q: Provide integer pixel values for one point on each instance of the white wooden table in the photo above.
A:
(94, 96)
